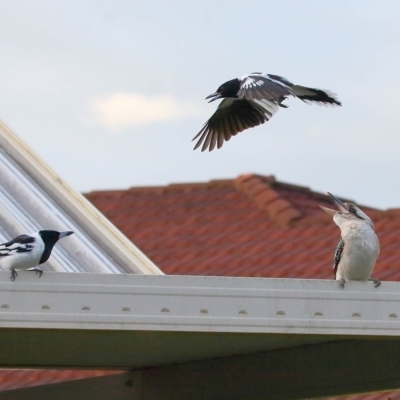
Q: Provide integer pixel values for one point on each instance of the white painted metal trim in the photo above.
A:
(199, 304)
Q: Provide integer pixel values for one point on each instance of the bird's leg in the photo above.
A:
(282, 98)
(38, 270)
(342, 282)
(14, 273)
(377, 282)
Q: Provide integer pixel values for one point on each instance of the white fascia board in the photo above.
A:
(199, 304)
(33, 197)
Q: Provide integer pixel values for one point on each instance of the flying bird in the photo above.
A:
(251, 100)
(358, 248)
(29, 251)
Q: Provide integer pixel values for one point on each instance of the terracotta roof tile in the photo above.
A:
(19, 378)
(261, 190)
(250, 225)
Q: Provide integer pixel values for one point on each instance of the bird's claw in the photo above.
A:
(14, 274)
(280, 100)
(377, 282)
(342, 282)
(37, 271)
(40, 272)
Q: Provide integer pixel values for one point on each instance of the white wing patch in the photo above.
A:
(250, 83)
(258, 87)
(15, 249)
(17, 254)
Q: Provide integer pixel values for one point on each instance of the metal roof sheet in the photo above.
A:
(33, 197)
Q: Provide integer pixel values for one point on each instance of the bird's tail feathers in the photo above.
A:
(317, 96)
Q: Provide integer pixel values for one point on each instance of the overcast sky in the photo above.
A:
(110, 93)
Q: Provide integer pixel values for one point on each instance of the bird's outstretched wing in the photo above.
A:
(20, 244)
(260, 86)
(338, 254)
(233, 116)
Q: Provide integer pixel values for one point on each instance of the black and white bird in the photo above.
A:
(29, 251)
(358, 248)
(251, 100)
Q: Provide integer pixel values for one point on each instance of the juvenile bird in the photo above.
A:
(29, 251)
(251, 100)
(358, 248)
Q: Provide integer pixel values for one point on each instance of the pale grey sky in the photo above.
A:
(110, 93)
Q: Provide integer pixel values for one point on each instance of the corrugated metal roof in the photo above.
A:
(33, 197)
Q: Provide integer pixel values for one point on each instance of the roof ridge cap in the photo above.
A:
(260, 189)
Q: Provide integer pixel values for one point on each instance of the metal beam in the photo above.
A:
(328, 369)
(123, 350)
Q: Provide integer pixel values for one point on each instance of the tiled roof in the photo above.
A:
(252, 226)
(371, 396)
(19, 378)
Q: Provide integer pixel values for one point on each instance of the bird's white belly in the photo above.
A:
(359, 256)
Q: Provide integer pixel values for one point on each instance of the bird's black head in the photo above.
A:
(50, 238)
(227, 89)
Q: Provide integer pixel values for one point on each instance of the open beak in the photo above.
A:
(64, 234)
(338, 203)
(216, 96)
(329, 210)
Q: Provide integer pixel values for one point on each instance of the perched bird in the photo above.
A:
(358, 248)
(251, 100)
(29, 251)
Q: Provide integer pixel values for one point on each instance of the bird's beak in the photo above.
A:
(329, 210)
(64, 234)
(216, 96)
(338, 203)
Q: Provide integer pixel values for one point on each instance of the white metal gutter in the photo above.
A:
(199, 304)
(201, 338)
